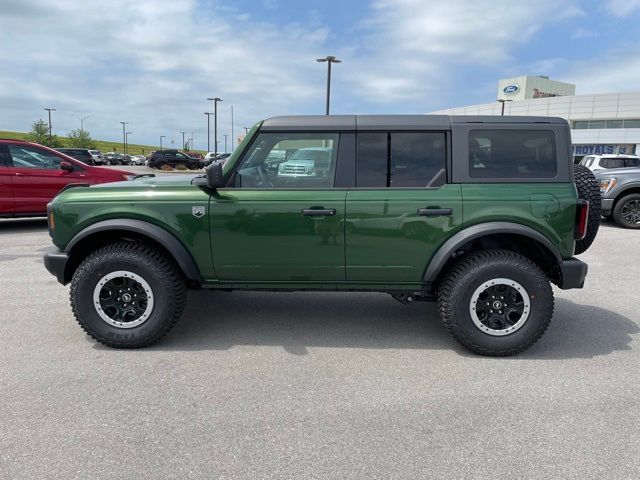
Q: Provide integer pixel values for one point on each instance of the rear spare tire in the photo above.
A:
(588, 189)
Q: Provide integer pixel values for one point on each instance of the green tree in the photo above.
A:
(81, 139)
(40, 134)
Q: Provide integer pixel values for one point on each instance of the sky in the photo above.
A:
(153, 63)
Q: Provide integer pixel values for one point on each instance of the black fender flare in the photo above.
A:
(444, 253)
(175, 248)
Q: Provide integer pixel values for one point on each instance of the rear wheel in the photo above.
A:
(588, 189)
(127, 295)
(108, 162)
(495, 302)
(626, 213)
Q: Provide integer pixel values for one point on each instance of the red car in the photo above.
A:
(31, 175)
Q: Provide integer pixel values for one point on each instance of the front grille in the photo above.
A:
(294, 169)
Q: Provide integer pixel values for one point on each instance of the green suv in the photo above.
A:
(480, 214)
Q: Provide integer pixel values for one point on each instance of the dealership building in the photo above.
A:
(600, 124)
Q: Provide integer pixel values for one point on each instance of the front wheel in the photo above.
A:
(127, 295)
(626, 213)
(495, 302)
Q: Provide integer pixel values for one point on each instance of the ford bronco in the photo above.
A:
(481, 214)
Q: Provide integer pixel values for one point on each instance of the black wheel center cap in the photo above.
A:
(497, 305)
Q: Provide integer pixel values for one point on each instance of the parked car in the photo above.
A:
(306, 162)
(220, 158)
(173, 158)
(138, 159)
(620, 190)
(604, 162)
(112, 158)
(98, 158)
(31, 175)
(431, 223)
(82, 154)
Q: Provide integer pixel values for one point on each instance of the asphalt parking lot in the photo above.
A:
(318, 385)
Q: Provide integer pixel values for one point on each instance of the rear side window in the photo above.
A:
(632, 162)
(612, 162)
(399, 159)
(512, 154)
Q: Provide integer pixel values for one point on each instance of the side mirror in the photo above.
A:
(66, 166)
(214, 175)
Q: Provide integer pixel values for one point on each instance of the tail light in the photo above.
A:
(582, 218)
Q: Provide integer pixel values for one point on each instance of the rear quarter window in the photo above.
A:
(513, 154)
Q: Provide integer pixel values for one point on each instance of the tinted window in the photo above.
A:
(632, 162)
(399, 159)
(512, 154)
(289, 160)
(612, 162)
(25, 156)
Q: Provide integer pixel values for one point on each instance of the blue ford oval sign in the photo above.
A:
(511, 89)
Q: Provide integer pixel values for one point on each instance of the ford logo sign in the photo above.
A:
(511, 89)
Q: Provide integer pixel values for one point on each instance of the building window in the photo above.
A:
(581, 125)
(632, 124)
(614, 123)
(597, 124)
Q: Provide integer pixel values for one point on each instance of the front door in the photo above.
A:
(37, 177)
(281, 220)
(402, 208)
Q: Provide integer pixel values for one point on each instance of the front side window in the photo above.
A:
(632, 162)
(26, 156)
(289, 160)
(512, 154)
(399, 159)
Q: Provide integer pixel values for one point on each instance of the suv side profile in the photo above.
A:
(481, 214)
(603, 162)
(620, 189)
(31, 175)
(173, 158)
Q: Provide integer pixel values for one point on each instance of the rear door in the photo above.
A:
(37, 177)
(402, 208)
(6, 192)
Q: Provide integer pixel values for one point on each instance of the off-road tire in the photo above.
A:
(161, 274)
(466, 274)
(617, 210)
(588, 189)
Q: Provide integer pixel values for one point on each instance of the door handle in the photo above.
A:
(434, 211)
(318, 212)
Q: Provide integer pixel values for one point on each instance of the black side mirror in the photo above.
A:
(214, 175)
(66, 166)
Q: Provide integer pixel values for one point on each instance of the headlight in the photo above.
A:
(129, 177)
(607, 184)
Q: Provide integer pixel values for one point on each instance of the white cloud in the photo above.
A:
(622, 8)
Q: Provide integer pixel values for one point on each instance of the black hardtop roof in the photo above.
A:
(391, 122)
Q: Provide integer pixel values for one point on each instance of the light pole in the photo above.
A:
(50, 110)
(225, 143)
(329, 59)
(502, 101)
(161, 137)
(183, 139)
(126, 140)
(215, 101)
(124, 137)
(208, 114)
(82, 119)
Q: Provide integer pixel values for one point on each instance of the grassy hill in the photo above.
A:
(103, 146)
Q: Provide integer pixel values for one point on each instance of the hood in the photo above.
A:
(617, 171)
(106, 171)
(169, 180)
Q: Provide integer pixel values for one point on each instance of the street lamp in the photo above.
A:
(50, 110)
(208, 114)
(502, 101)
(225, 143)
(124, 137)
(215, 101)
(183, 139)
(161, 137)
(82, 119)
(329, 59)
